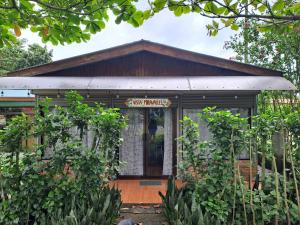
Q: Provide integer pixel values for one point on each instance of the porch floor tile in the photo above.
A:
(132, 192)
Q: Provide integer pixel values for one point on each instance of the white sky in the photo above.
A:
(187, 32)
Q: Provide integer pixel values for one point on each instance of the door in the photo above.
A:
(158, 143)
(147, 149)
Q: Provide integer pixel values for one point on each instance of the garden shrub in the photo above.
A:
(180, 207)
(71, 185)
(212, 175)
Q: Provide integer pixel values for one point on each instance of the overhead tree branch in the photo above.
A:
(80, 18)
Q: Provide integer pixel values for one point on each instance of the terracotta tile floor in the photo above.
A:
(132, 192)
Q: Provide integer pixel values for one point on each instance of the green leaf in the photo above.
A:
(178, 11)
(221, 10)
(214, 32)
(234, 7)
(101, 24)
(26, 4)
(215, 24)
(34, 29)
(94, 27)
(210, 7)
(262, 8)
(75, 19)
(159, 5)
(228, 22)
(227, 2)
(137, 18)
(263, 29)
(278, 6)
(186, 9)
(296, 7)
(116, 11)
(234, 27)
(147, 14)
(118, 20)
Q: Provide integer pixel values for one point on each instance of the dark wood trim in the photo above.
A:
(180, 127)
(127, 177)
(145, 155)
(145, 46)
(174, 146)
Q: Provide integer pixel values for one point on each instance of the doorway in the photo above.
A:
(147, 149)
(155, 141)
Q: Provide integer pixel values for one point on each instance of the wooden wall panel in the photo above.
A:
(145, 64)
(201, 101)
(177, 99)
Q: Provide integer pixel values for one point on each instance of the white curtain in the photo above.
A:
(168, 143)
(132, 149)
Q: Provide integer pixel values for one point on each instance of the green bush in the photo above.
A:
(72, 185)
(98, 209)
(213, 183)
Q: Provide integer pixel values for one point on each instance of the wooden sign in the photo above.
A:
(148, 102)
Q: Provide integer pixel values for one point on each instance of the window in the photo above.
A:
(205, 135)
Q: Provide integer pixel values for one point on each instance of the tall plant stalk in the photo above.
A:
(234, 176)
(294, 178)
(284, 183)
(263, 162)
(250, 183)
(243, 194)
(277, 190)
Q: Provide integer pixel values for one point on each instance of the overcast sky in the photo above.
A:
(187, 32)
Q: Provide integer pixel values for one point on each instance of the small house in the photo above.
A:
(154, 85)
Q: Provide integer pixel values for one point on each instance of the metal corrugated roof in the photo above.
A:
(184, 83)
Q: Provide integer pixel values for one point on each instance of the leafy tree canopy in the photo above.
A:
(20, 56)
(67, 21)
(273, 50)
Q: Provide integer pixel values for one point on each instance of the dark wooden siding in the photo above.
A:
(201, 101)
(145, 64)
(184, 101)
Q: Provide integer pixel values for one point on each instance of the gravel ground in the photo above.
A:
(145, 215)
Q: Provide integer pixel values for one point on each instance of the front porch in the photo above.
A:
(142, 191)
